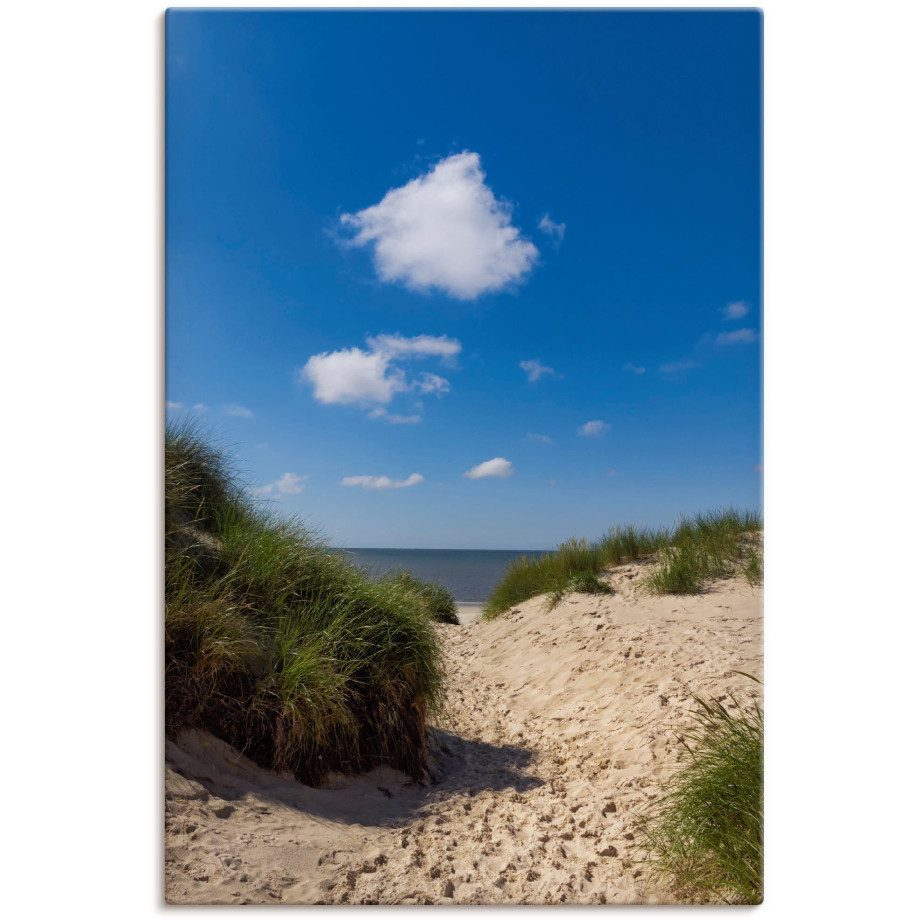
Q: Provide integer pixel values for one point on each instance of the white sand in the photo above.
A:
(559, 726)
(468, 613)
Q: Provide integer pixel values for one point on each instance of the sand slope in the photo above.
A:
(559, 726)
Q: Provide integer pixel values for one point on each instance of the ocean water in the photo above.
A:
(470, 574)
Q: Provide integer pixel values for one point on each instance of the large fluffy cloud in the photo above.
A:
(382, 482)
(445, 230)
(367, 377)
(497, 466)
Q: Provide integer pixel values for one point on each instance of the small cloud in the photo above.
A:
(535, 370)
(736, 310)
(174, 405)
(353, 375)
(432, 383)
(679, 367)
(593, 428)
(199, 407)
(261, 446)
(539, 438)
(237, 411)
(497, 466)
(551, 228)
(362, 377)
(632, 367)
(393, 418)
(291, 484)
(445, 231)
(397, 346)
(381, 482)
(288, 484)
(552, 482)
(734, 338)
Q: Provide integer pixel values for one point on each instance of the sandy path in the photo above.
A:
(559, 726)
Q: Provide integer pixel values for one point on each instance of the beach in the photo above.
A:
(559, 727)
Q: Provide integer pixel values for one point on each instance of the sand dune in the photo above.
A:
(559, 726)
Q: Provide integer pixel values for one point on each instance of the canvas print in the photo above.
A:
(463, 465)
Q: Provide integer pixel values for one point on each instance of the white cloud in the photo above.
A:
(393, 418)
(445, 230)
(237, 411)
(679, 367)
(288, 484)
(497, 466)
(381, 482)
(593, 428)
(539, 438)
(199, 407)
(733, 338)
(291, 484)
(736, 310)
(174, 405)
(550, 227)
(632, 367)
(396, 346)
(535, 370)
(356, 376)
(432, 383)
(353, 376)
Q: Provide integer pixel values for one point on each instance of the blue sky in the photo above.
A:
(416, 261)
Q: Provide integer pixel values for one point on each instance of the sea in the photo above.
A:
(470, 574)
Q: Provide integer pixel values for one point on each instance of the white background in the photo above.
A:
(82, 357)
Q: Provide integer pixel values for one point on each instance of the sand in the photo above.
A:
(560, 727)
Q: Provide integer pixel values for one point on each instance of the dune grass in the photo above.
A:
(278, 645)
(699, 549)
(549, 573)
(440, 601)
(705, 834)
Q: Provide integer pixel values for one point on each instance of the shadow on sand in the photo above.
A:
(202, 767)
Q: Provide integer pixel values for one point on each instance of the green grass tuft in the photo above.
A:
(438, 600)
(278, 645)
(548, 573)
(699, 549)
(753, 568)
(706, 833)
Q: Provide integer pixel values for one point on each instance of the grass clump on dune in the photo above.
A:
(706, 833)
(548, 573)
(699, 549)
(440, 602)
(279, 646)
(705, 547)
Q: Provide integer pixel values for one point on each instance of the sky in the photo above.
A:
(480, 280)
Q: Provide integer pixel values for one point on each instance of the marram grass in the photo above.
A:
(705, 834)
(698, 550)
(281, 647)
